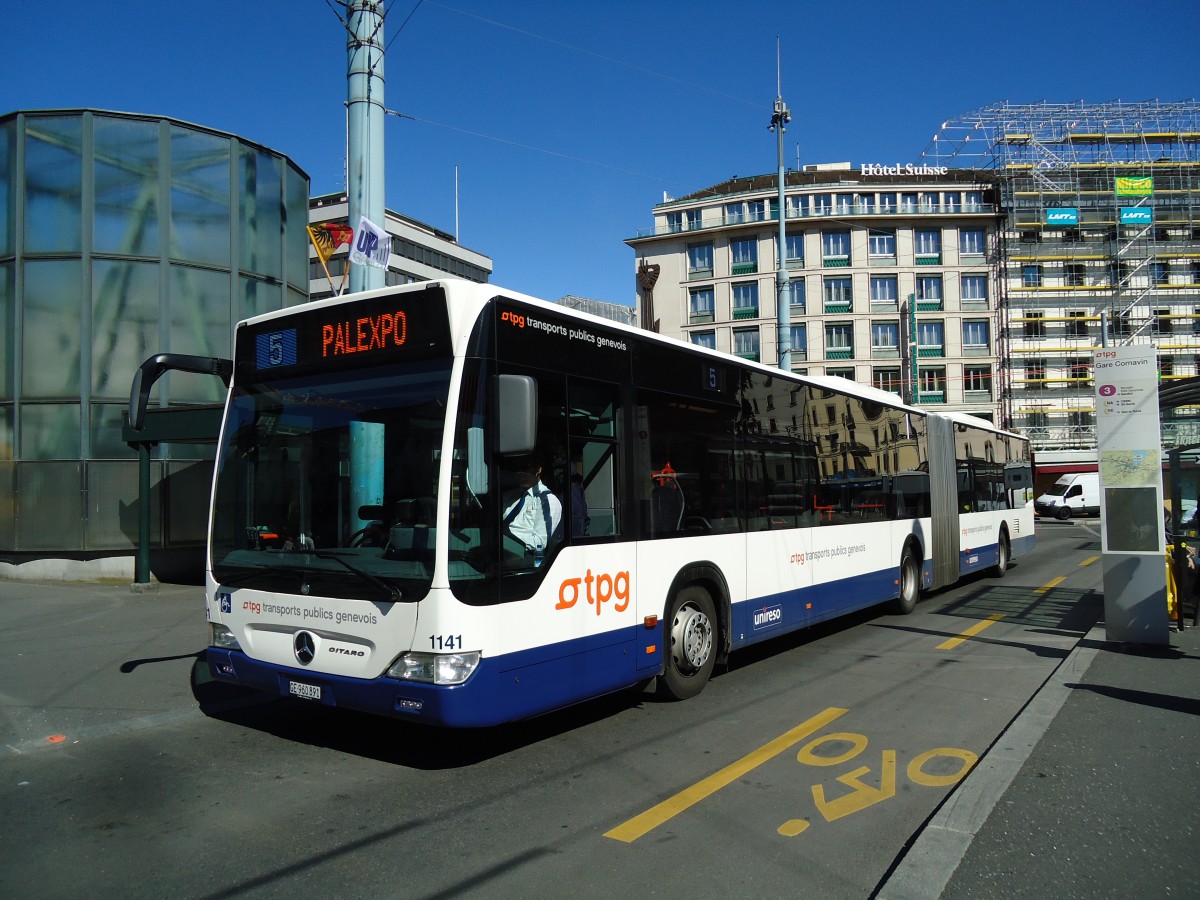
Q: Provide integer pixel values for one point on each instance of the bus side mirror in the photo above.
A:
(517, 432)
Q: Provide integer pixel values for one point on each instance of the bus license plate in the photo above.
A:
(307, 691)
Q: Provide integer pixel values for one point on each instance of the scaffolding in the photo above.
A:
(1100, 243)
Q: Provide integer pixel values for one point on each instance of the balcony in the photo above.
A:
(838, 306)
(743, 268)
(929, 305)
(745, 312)
(928, 397)
(835, 262)
(840, 353)
(930, 351)
(929, 259)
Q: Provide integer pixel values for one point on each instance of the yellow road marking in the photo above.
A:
(1089, 560)
(970, 632)
(1053, 582)
(646, 822)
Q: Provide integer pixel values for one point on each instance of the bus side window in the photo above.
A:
(590, 483)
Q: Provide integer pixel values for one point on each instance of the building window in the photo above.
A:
(972, 242)
(1034, 325)
(839, 295)
(1031, 276)
(931, 385)
(975, 337)
(1162, 321)
(822, 204)
(839, 340)
(700, 260)
(887, 202)
(674, 222)
(927, 245)
(1121, 326)
(734, 214)
(1075, 274)
(799, 342)
(885, 339)
(797, 205)
(973, 201)
(701, 305)
(866, 203)
(887, 380)
(1035, 374)
(756, 211)
(1036, 419)
(695, 222)
(974, 290)
(745, 343)
(908, 203)
(794, 248)
(705, 339)
(1159, 274)
(745, 300)
(881, 242)
(929, 292)
(744, 256)
(931, 339)
(835, 248)
(884, 289)
(1078, 369)
(794, 294)
(1077, 326)
(1166, 365)
(977, 381)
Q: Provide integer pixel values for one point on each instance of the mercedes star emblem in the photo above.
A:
(305, 646)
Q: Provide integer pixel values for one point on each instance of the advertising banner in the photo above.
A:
(1135, 185)
(1067, 215)
(1137, 215)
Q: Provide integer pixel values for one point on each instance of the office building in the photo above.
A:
(1100, 242)
(891, 276)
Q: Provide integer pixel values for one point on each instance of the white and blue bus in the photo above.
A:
(364, 547)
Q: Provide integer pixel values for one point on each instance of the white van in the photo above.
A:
(1071, 495)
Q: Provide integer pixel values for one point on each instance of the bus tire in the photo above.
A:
(1003, 552)
(690, 644)
(910, 582)
(1063, 513)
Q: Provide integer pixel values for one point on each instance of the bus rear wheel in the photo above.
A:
(910, 582)
(690, 636)
(1002, 555)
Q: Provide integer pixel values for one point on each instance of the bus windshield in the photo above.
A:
(326, 483)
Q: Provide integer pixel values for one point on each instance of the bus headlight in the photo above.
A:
(222, 637)
(435, 668)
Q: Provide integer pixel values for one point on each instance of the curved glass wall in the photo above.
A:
(122, 236)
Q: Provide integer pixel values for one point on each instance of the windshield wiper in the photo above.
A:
(394, 593)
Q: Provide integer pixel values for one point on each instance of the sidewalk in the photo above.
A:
(1093, 791)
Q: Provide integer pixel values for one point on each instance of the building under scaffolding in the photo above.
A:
(1100, 243)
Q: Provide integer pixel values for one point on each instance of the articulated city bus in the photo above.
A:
(463, 506)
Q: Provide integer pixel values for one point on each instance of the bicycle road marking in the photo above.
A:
(646, 822)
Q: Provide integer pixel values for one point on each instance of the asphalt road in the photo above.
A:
(807, 766)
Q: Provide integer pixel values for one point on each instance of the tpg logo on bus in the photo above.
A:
(606, 588)
(516, 318)
(767, 616)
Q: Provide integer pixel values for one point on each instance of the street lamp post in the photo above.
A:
(779, 121)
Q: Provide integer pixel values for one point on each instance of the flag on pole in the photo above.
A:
(371, 244)
(327, 237)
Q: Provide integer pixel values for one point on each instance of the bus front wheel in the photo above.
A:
(690, 636)
(1003, 552)
(910, 582)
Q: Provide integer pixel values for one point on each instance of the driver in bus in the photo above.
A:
(532, 513)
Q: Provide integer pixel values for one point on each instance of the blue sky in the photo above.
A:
(569, 119)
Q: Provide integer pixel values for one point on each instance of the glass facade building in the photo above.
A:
(122, 236)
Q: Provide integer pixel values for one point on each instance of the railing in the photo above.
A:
(856, 210)
(745, 312)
